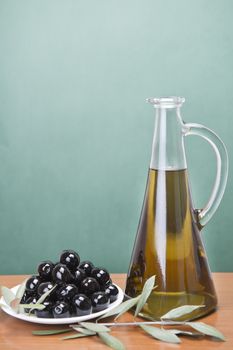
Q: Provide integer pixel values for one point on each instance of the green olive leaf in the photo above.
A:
(7, 294)
(147, 317)
(111, 341)
(33, 306)
(21, 289)
(180, 311)
(94, 327)
(83, 330)
(207, 330)
(182, 332)
(128, 305)
(45, 295)
(161, 334)
(3, 305)
(52, 331)
(146, 291)
(20, 310)
(122, 308)
(15, 304)
(80, 335)
(19, 294)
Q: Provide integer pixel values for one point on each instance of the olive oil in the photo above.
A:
(168, 244)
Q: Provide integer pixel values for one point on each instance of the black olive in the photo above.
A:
(61, 274)
(112, 291)
(82, 305)
(67, 292)
(100, 301)
(44, 287)
(70, 258)
(61, 310)
(89, 286)
(45, 269)
(101, 275)
(79, 275)
(46, 312)
(87, 266)
(32, 284)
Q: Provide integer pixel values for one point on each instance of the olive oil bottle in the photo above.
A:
(168, 242)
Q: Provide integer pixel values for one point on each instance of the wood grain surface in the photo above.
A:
(16, 334)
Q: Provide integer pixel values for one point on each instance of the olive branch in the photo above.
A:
(154, 328)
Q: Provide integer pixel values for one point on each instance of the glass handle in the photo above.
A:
(205, 214)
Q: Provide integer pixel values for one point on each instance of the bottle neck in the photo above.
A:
(168, 146)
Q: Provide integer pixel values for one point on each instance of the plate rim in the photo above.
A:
(59, 321)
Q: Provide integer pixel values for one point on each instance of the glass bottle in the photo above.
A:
(168, 243)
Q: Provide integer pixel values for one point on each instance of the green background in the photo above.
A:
(76, 133)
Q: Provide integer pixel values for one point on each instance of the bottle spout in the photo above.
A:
(168, 146)
(166, 102)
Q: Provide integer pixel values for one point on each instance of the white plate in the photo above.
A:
(67, 320)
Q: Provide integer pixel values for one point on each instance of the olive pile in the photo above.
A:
(81, 288)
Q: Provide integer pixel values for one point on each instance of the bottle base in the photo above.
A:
(159, 303)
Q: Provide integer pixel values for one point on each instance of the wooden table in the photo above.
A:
(16, 334)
